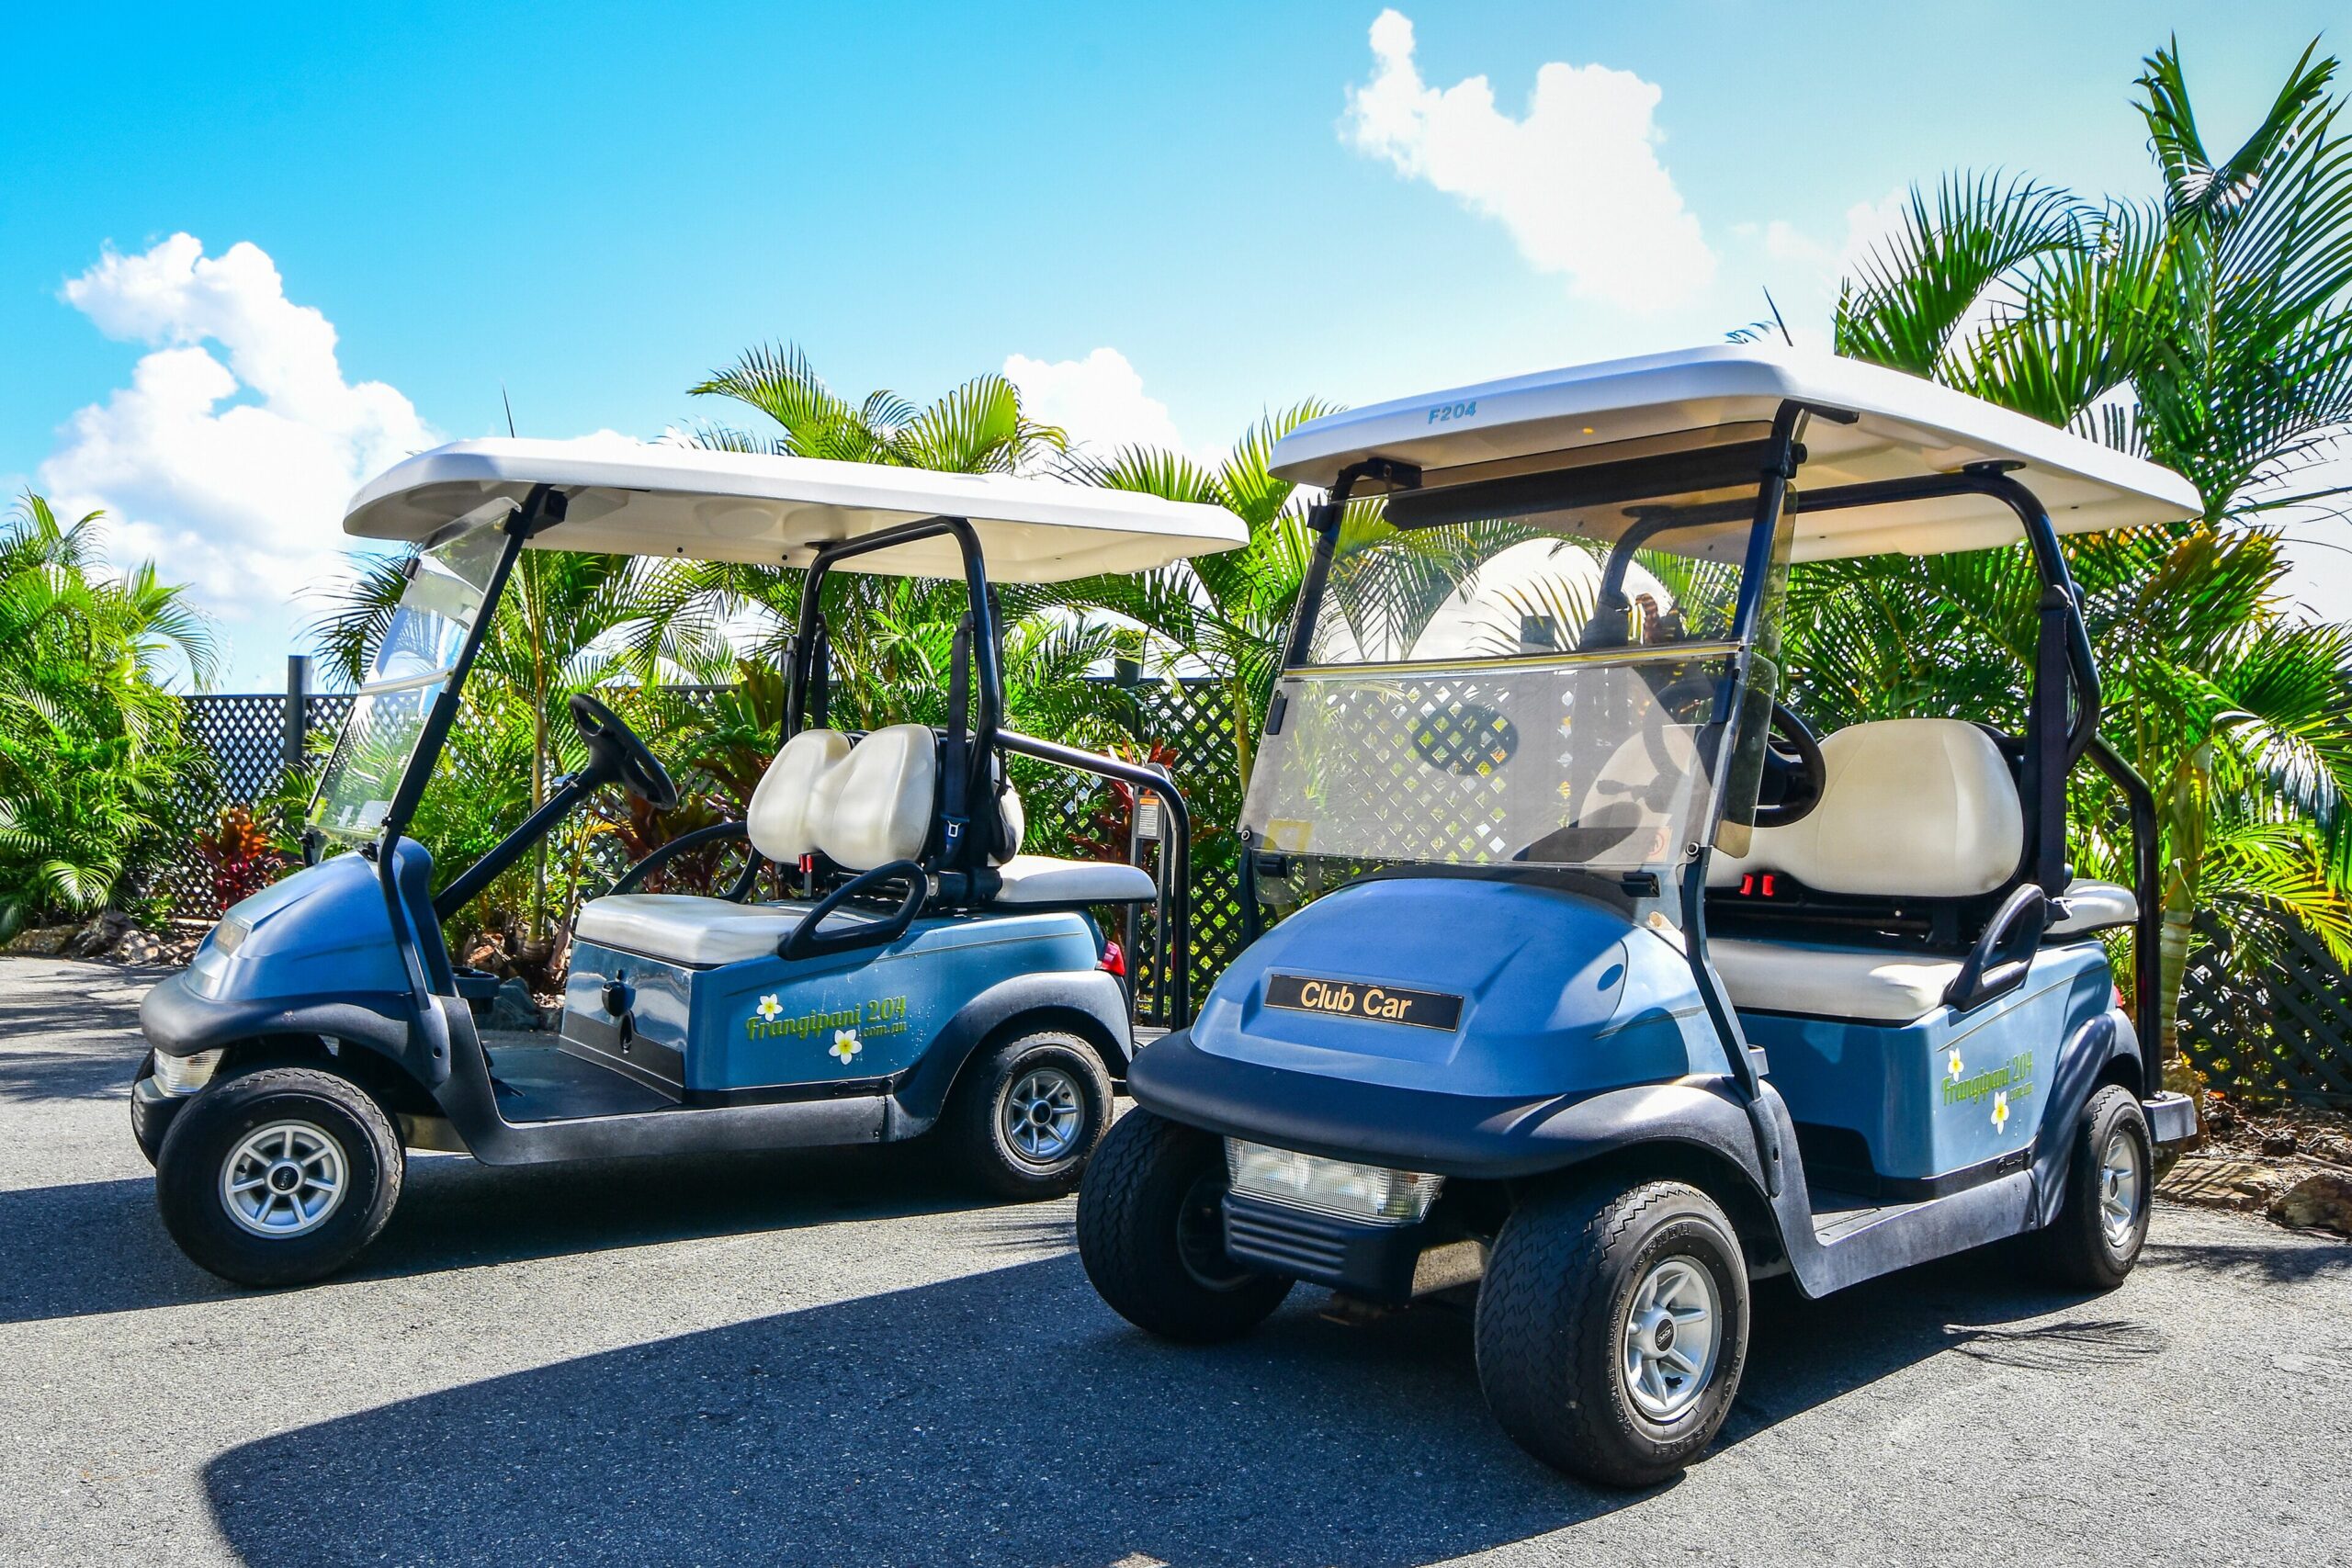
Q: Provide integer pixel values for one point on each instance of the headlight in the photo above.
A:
(1331, 1185)
(230, 935)
(185, 1075)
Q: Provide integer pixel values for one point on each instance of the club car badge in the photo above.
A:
(1348, 998)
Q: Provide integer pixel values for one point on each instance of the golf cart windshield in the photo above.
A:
(1518, 675)
(419, 650)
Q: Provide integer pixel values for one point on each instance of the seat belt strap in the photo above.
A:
(957, 778)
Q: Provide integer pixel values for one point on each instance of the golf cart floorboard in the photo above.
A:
(1837, 1215)
(545, 1083)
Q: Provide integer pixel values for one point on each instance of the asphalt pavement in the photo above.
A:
(843, 1359)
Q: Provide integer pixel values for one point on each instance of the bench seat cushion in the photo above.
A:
(684, 928)
(1865, 984)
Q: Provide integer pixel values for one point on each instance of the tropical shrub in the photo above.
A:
(239, 855)
(92, 759)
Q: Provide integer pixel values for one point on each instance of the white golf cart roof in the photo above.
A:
(1905, 428)
(628, 498)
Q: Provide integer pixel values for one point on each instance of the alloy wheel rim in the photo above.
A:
(283, 1180)
(1669, 1339)
(2119, 1189)
(1043, 1113)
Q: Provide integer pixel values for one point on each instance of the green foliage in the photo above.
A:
(978, 428)
(90, 756)
(2210, 329)
(568, 622)
(891, 637)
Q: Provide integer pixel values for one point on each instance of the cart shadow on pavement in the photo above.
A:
(84, 1248)
(1007, 1416)
(2278, 1263)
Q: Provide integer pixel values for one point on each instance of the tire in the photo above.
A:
(1151, 1235)
(1026, 1115)
(142, 1127)
(1572, 1281)
(2103, 1220)
(261, 1123)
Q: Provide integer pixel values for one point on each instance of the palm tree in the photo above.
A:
(2208, 329)
(978, 428)
(91, 758)
(890, 638)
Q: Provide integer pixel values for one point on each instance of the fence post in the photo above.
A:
(296, 714)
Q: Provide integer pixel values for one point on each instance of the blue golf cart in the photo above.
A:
(910, 971)
(1604, 986)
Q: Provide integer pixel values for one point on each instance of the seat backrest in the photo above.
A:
(779, 820)
(861, 806)
(1016, 825)
(880, 803)
(1910, 807)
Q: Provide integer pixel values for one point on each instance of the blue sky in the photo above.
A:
(594, 204)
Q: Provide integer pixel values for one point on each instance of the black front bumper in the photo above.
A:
(1374, 1262)
(152, 1111)
(1481, 1137)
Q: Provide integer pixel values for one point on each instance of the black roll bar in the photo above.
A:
(1175, 907)
(2147, 869)
(986, 654)
(2063, 667)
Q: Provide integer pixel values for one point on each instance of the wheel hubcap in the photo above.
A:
(283, 1180)
(1668, 1343)
(2118, 1190)
(1043, 1113)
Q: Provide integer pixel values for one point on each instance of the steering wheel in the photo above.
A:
(1795, 772)
(616, 753)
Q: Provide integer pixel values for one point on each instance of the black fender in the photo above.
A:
(1088, 1003)
(2084, 1064)
(178, 1022)
(276, 1031)
(1472, 1137)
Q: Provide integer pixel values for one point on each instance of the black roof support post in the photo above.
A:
(1780, 457)
(542, 508)
(2063, 712)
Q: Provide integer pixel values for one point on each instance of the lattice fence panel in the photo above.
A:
(2276, 1027)
(243, 734)
(2271, 1025)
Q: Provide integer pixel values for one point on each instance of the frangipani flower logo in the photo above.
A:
(1952, 1066)
(769, 1007)
(846, 1044)
(2000, 1108)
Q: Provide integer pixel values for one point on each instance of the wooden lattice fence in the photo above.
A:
(2270, 1019)
(2272, 1022)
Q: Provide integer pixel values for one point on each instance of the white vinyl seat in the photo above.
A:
(686, 929)
(1909, 807)
(2087, 906)
(1867, 984)
(1042, 879)
(861, 806)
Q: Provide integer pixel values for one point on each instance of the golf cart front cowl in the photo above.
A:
(310, 954)
(1573, 1027)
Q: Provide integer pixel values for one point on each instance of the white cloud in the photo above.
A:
(230, 469)
(1099, 400)
(1867, 224)
(1578, 181)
